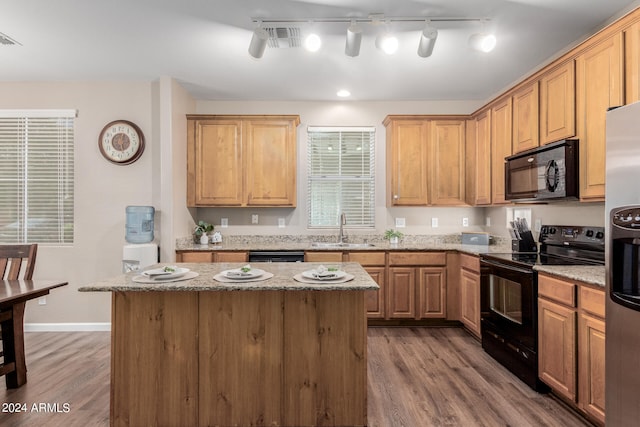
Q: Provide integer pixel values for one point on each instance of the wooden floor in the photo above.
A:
(418, 377)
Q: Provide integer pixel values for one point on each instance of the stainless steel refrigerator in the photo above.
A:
(622, 219)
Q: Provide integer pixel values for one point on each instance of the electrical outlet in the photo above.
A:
(224, 222)
(254, 218)
(281, 222)
(538, 225)
(434, 222)
(400, 223)
(42, 301)
(487, 221)
(465, 222)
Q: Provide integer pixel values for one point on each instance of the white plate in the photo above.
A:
(313, 274)
(160, 274)
(251, 274)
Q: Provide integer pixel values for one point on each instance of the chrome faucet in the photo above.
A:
(343, 221)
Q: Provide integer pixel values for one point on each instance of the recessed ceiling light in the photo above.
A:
(387, 43)
(343, 93)
(312, 43)
(482, 42)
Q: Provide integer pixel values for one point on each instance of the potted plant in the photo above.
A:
(392, 236)
(200, 232)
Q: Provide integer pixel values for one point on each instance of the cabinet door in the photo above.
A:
(632, 63)
(591, 357)
(214, 163)
(432, 294)
(447, 139)
(374, 300)
(401, 302)
(407, 163)
(500, 147)
(200, 256)
(478, 160)
(557, 347)
(525, 118)
(558, 104)
(271, 162)
(470, 300)
(599, 82)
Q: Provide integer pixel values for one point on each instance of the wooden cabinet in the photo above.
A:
(407, 162)
(571, 343)
(323, 256)
(470, 293)
(632, 63)
(478, 159)
(599, 81)
(501, 124)
(212, 256)
(447, 177)
(241, 160)
(374, 264)
(416, 288)
(526, 118)
(425, 161)
(558, 103)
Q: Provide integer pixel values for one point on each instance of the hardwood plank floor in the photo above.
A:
(418, 377)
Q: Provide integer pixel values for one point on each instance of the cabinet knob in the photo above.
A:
(395, 196)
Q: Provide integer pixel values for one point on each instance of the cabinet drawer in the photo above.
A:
(417, 258)
(367, 258)
(470, 262)
(557, 290)
(200, 256)
(592, 300)
(323, 256)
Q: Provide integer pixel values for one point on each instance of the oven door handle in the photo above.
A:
(506, 266)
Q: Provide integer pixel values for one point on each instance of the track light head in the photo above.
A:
(354, 39)
(482, 42)
(427, 41)
(258, 42)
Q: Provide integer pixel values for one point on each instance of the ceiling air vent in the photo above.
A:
(5, 40)
(283, 37)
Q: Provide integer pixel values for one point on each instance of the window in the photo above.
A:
(341, 176)
(36, 176)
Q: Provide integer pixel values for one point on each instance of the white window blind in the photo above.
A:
(341, 176)
(36, 176)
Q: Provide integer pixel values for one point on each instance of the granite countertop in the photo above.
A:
(281, 281)
(592, 274)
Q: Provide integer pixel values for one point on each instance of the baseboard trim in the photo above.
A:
(67, 327)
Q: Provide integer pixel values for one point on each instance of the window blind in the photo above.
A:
(36, 176)
(341, 176)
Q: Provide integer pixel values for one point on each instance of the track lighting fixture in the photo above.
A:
(258, 42)
(427, 40)
(354, 38)
(387, 43)
(482, 42)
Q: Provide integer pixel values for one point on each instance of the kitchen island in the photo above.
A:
(204, 353)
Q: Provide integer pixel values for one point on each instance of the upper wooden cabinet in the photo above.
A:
(558, 103)
(525, 118)
(425, 161)
(632, 63)
(599, 78)
(478, 159)
(501, 125)
(241, 160)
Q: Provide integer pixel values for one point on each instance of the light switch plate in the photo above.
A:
(487, 221)
(400, 223)
(224, 222)
(281, 222)
(538, 225)
(434, 222)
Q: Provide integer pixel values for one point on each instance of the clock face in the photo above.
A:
(121, 142)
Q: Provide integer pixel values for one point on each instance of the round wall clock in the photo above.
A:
(121, 142)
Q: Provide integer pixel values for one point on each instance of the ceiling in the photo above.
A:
(203, 45)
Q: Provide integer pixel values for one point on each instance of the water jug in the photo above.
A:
(139, 227)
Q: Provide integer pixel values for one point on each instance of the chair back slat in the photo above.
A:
(21, 260)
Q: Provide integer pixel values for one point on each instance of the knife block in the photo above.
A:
(525, 244)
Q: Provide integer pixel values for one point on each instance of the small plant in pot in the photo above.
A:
(200, 232)
(393, 236)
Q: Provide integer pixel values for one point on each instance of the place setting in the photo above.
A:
(243, 274)
(322, 274)
(166, 274)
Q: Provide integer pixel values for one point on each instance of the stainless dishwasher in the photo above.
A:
(276, 256)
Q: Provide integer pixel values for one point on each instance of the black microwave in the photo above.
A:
(543, 174)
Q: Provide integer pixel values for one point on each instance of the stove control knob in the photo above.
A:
(599, 235)
(589, 233)
(552, 230)
(637, 218)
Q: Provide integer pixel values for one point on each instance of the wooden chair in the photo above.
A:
(16, 262)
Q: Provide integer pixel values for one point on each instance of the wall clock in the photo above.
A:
(121, 142)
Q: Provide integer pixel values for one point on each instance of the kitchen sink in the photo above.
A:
(341, 245)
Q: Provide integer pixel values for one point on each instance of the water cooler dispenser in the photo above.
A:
(625, 256)
(140, 252)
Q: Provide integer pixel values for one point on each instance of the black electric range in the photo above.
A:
(509, 294)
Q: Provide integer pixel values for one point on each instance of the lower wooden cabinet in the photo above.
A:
(571, 343)
(470, 293)
(375, 264)
(212, 256)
